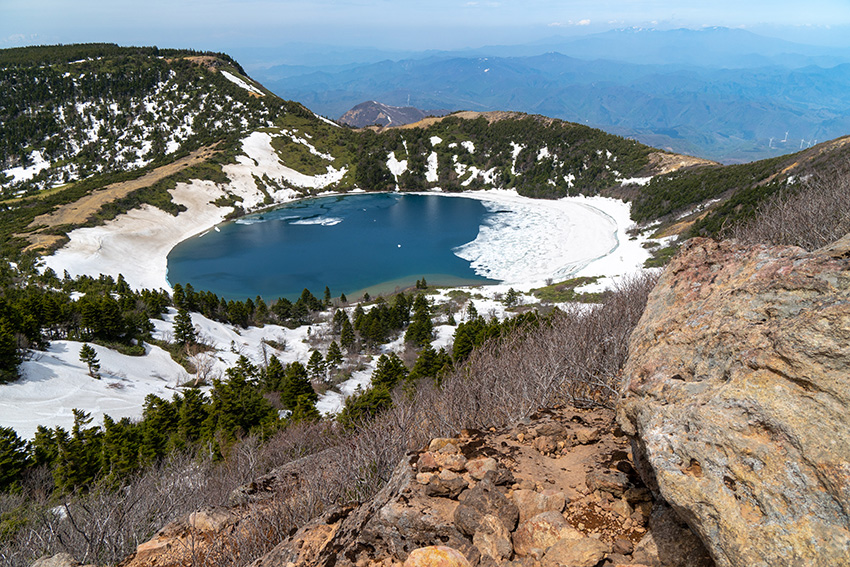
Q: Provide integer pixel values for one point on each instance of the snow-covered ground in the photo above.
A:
(55, 382)
(525, 244)
(137, 244)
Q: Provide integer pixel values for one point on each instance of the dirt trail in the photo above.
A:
(82, 210)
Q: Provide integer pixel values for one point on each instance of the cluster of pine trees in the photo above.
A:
(252, 312)
(37, 308)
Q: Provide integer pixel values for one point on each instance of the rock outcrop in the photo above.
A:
(505, 498)
(737, 395)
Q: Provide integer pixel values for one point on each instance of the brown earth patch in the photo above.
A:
(80, 211)
(662, 163)
(492, 116)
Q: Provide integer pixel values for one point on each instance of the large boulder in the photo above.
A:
(737, 395)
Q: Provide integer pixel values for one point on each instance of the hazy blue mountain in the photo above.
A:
(728, 95)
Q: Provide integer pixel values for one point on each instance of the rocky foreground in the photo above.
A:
(559, 489)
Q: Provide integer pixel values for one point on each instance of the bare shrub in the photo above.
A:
(810, 215)
(576, 357)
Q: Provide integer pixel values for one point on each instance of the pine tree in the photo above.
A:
(511, 298)
(184, 330)
(14, 458)
(334, 356)
(305, 410)
(89, 357)
(274, 375)
(389, 371)
(316, 367)
(346, 334)
(327, 300)
(420, 331)
(10, 358)
(296, 383)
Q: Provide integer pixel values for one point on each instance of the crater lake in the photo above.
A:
(376, 242)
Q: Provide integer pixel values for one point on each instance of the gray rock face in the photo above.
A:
(737, 395)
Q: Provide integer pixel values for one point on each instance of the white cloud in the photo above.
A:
(585, 22)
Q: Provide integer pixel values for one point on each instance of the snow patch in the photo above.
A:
(26, 173)
(635, 181)
(515, 150)
(238, 81)
(431, 175)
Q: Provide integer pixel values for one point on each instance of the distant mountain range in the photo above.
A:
(729, 95)
(373, 113)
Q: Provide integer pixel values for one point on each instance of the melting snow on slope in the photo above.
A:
(234, 79)
(261, 158)
(55, 382)
(326, 121)
(436, 140)
(636, 181)
(396, 167)
(515, 150)
(26, 173)
(431, 175)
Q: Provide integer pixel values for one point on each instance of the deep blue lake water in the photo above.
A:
(351, 243)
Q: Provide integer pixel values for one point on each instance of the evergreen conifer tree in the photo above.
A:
(14, 458)
(420, 331)
(334, 356)
(89, 357)
(389, 371)
(316, 367)
(296, 383)
(346, 334)
(184, 330)
(274, 375)
(305, 410)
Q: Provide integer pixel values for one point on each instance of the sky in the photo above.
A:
(225, 25)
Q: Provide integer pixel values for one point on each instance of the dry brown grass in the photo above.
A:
(83, 209)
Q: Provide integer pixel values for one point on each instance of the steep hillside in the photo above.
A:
(115, 109)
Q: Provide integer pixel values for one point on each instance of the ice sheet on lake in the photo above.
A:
(524, 241)
(323, 221)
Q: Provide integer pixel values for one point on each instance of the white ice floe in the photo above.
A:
(322, 221)
(529, 241)
(238, 81)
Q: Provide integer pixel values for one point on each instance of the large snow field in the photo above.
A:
(55, 382)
